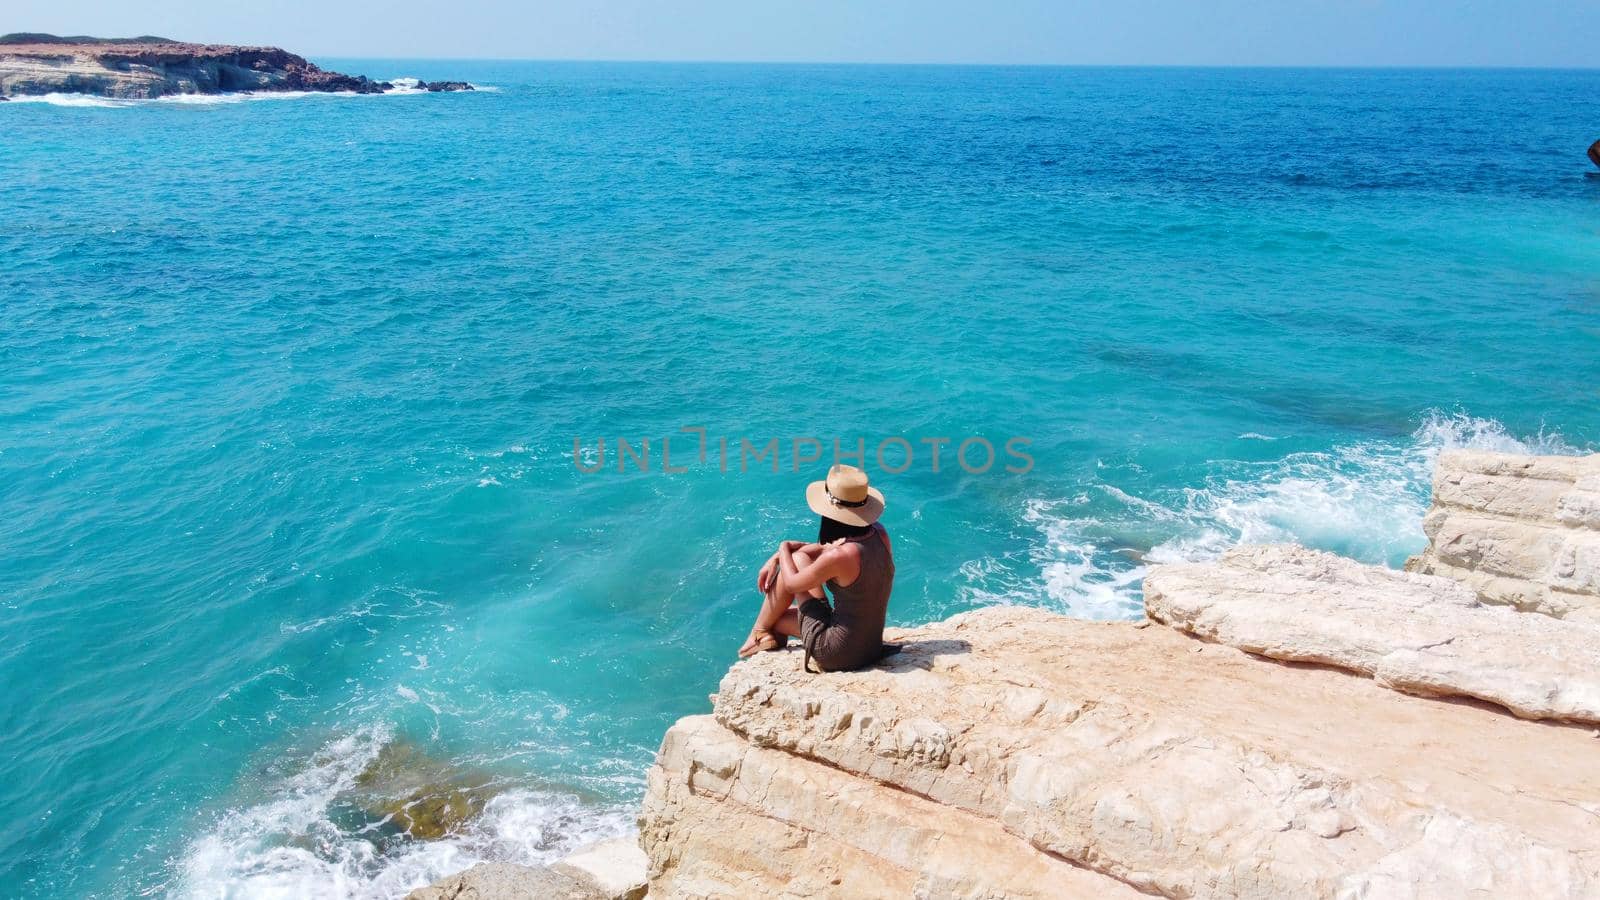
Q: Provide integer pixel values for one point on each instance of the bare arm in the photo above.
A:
(766, 577)
(835, 561)
(798, 546)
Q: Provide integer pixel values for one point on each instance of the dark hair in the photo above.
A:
(832, 530)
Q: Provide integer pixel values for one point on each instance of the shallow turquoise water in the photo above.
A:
(289, 390)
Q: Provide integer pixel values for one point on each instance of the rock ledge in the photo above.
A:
(1306, 727)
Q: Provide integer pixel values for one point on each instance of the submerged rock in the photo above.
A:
(420, 795)
(439, 86)
(1594, 153)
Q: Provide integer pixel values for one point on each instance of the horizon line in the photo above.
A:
(927, 63)
(973, 64)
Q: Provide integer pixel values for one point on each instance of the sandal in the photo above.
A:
(762, 640)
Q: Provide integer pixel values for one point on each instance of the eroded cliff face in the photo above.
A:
(132, 70)
(1013, 752)
(1286, 723)
(1519, 530)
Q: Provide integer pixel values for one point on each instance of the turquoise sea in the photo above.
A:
(289, 390)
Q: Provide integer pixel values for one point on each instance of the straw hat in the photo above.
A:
(845, 497)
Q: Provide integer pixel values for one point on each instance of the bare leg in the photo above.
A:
(777, 615)
(775, 605)
(788, 623)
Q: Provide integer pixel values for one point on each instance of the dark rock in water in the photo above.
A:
(430, 814)
(143, 68)
(420, 795)
(437, 86)
(1594, 153)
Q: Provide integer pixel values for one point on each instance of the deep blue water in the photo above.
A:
(289, 390)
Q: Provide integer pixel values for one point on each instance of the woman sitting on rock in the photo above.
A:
(852, 558)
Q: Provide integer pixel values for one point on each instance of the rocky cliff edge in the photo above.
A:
(1286, 723)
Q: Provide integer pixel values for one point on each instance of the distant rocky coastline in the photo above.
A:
(145, 68)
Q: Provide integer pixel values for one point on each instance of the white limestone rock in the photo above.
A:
(1417, 633)
(607, 870)
(1523, 531)
(615, 869)
(1013, 752)
(506, 881)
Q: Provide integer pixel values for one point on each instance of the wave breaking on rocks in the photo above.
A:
(1285, 723)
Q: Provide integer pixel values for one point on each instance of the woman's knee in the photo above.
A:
(801, 560)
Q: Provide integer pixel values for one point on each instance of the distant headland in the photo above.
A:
(149, 67)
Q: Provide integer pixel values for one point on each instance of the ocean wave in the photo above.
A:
(404, 86)
(291, 844)
(83, 100)
(1364, 500)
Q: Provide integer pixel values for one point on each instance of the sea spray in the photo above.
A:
(307, 838)
(1364, 500)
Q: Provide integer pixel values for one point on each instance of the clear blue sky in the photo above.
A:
(1176, 32)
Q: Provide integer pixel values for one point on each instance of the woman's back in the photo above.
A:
(855, 635)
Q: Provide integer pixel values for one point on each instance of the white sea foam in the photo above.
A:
(288, 845)
(224, 99)
(1077, 576)
(70, 100)
(408, 85)
(1365, 500)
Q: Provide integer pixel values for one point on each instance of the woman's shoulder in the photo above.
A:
(846, 547)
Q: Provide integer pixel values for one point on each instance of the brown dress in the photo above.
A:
(849, 634)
